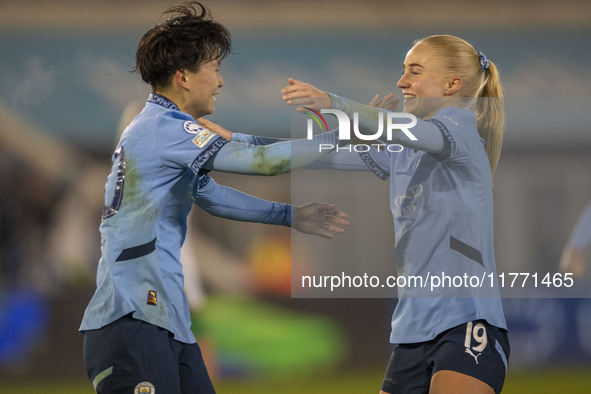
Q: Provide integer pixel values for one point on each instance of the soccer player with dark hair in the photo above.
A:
(137, 335)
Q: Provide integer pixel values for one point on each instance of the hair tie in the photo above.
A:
(484, 65)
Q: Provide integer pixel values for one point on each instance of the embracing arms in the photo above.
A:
(266, 156)
(428, 136)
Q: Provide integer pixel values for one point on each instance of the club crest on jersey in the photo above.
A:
(144, 388)
(192, 127)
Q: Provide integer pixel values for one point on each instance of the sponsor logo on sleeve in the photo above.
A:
(203, 138)
(202, 135)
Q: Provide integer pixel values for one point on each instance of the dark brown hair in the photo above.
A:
(187, 39)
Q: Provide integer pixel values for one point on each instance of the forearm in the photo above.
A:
(254, 139)
(273, 159)
(232, 204)
(346, 159)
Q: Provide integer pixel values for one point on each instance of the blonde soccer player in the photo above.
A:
(453, 340)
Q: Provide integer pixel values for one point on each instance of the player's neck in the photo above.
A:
(178, 97)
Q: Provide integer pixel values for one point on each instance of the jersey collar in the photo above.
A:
(162, 101)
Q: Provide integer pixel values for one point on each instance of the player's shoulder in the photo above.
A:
(176, 132)
(169, 118)
(456, 118)
(178, 126)
(459, 127)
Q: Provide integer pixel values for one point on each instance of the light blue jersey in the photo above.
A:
(441, 197)
(443, 221)
(157, 176)
(442, 204)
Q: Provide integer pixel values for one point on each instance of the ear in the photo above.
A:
(453, 86)
(180, 78)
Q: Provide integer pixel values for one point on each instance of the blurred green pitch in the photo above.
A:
(570, 381)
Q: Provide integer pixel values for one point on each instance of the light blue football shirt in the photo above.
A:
(156, 177)
(443, 222)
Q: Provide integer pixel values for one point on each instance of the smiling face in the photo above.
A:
(423, 80)
(201, 87)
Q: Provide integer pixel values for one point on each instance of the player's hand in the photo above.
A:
(388, 102)
(319, 219)
(215, 128)
(302, 94)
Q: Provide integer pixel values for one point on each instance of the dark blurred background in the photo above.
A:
(67, 90)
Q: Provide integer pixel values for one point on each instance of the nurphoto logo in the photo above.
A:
(345, 124)
(392, 124)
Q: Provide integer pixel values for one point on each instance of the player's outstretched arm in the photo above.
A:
(345, 160)
(388, 102)
(302, 94)
(271, 157)
(427, 136)
(316, 219)
(238, 137)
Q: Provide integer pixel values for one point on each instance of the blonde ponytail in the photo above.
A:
(490, 114)
(480, 84)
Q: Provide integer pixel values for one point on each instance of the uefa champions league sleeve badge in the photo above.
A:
(192, 128)
(202, 135)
